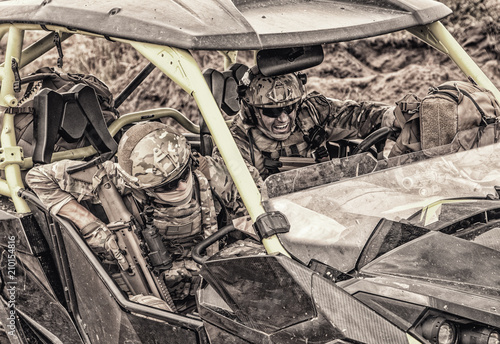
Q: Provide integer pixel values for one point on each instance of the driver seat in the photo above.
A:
(224, 87)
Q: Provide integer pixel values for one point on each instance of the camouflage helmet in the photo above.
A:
(151, 154)
(274, 91)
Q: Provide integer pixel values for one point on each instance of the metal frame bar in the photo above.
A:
(230, 57)
(80, 153)
(11, 154)
(180, 66)
(437, 36)
(13, 51)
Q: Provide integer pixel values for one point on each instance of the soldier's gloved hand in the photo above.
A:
(102, 240)
(320, 153)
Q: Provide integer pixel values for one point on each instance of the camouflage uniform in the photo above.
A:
(340, 120)
(149, 155)
(214, 168)
(181, 227)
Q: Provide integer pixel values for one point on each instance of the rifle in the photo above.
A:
(140, 276)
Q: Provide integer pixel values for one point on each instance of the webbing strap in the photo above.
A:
(251, 140)
(468, 95)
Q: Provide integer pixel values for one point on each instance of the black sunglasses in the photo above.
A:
(172, 184)
(276, 112)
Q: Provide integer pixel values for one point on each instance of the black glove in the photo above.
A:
(102, 240)
(320, 153)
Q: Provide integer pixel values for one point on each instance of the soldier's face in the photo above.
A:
(178, 184)
(177, 192)
(279, 120)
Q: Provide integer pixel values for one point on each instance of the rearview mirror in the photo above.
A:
(288, 60)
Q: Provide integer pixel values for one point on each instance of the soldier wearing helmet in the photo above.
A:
(278, 118)
(271, 103)
(154, 168)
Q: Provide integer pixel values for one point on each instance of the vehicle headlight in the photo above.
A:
(481, 335)
(438, 330)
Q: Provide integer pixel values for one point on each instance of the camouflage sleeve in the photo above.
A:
(361, 118)
(55, 187)
(255, 165)
(222, 184)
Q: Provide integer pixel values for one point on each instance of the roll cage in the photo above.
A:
(173, 58)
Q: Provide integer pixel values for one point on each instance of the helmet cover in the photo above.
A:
(151, 154)
(273, 92)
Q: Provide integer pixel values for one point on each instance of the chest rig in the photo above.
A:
(183, 224)
(195, 218)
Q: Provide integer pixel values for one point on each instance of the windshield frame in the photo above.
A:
(334, 221)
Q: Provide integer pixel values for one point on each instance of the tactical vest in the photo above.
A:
(197, 218)
(272, 150)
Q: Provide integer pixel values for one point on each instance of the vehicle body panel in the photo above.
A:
(404, 263)
(226, 24)
(92, 308)
(462, 276)
(29, 276)
(425, 250)
(344, 283)
(268, 314)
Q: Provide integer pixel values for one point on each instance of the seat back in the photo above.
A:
(224, 87)
(70, 115)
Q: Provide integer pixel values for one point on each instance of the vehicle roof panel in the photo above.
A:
(228, 24)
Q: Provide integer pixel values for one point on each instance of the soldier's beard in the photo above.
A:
(177, 197)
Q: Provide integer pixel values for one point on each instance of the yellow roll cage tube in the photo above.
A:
(180, 66)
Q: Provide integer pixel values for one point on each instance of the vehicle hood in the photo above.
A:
(436, 270)
(440, 259)
(228, 24)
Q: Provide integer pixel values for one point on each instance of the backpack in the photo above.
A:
(61, 82)
(455, 110)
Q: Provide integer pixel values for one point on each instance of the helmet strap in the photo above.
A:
(249, 114)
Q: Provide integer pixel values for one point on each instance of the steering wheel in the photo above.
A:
(377, 139)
